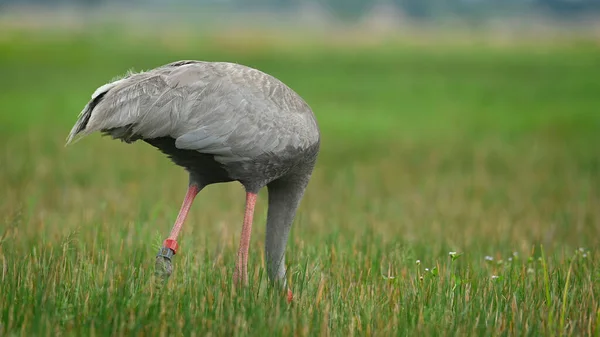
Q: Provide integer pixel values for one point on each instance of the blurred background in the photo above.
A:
(324, 12)
(398, 16)
(447, 125)
(461, 119)
(441, 118)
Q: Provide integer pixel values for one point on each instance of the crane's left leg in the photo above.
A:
(240, 274)
(170, 245)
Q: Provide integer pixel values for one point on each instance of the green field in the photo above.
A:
(490, 152)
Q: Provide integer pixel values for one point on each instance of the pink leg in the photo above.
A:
(240, 273)
(171, 241)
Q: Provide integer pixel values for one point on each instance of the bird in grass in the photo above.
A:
(222, 122)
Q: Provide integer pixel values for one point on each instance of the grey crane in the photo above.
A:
(222, 122)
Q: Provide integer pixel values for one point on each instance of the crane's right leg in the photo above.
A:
(165, 254)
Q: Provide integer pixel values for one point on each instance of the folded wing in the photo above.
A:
(231, 111)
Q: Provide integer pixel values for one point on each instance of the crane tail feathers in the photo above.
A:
(80, 125)
(84, 117)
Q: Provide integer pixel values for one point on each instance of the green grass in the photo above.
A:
(488, 152)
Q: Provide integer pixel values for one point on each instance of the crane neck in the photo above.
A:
(284, 199)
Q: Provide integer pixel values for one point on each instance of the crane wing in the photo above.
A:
(227, 110)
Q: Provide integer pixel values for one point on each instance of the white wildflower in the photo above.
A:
(454, 255)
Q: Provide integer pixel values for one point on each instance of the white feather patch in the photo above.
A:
(106, 88)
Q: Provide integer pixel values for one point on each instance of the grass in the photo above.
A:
(490, 153)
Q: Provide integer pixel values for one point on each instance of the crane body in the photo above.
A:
(222, 122)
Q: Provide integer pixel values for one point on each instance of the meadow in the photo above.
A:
(457, 192)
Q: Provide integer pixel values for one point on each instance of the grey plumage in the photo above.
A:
(222, 122)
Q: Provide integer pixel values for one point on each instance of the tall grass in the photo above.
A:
(488, 154)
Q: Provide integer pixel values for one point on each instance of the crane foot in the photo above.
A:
(163, 267)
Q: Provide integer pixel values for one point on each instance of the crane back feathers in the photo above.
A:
(233, 112)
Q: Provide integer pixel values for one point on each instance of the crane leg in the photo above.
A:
(240, 274)
(170, 245)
